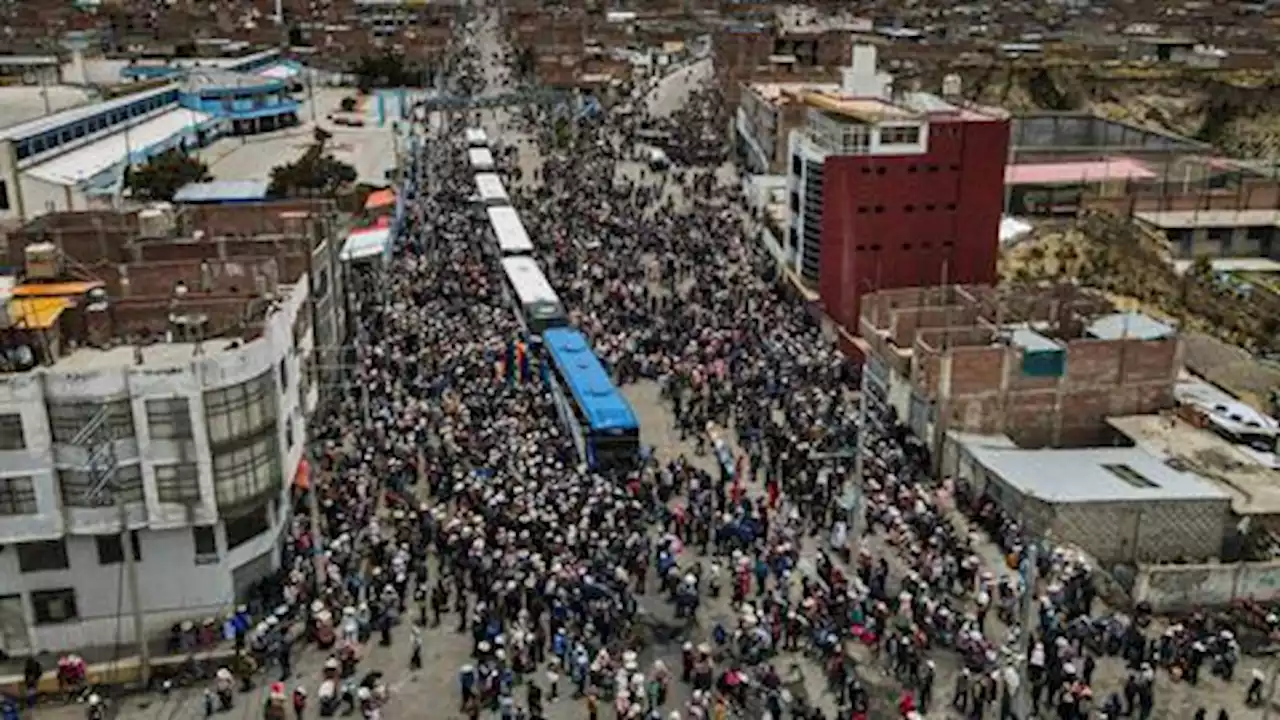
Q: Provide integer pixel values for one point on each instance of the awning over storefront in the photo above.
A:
(367, 243)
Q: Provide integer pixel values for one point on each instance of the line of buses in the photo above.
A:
(592, 410)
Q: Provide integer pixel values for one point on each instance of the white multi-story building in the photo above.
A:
(207, 441)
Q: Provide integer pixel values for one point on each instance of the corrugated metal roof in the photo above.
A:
(91, 160)
(1028, 339)
(1128, 325)
(59, 119)
(37, 313)
(217, 191)
(1093, 475)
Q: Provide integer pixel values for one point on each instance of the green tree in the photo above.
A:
(386, 69)
(160, 177)
(316, 174)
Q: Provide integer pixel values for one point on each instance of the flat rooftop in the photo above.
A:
(1093, 475)
(1070, 173)
(1192, 219)
(784, 93)
(1242, 474)
(22, 103)
(85, 358)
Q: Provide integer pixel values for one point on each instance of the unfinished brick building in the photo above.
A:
(773, 45)
(230, 260)
(1044, 367)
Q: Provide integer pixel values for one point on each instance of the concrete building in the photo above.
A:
(1045, 368)
(30, 70)
(1216, 234)
(890, 190)
(75, 159)
(249, 103)
(766, 115)
(195, 366)
(1119, 505)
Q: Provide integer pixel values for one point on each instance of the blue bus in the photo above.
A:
(593, 411)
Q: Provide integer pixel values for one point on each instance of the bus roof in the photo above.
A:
(512, 237)
(603, 405)
(490, 188)
(481, 158)
(528, 282)
(477, 136)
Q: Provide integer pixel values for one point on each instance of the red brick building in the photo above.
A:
(891, 190)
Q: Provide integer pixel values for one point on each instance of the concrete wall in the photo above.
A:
(1180, 587)
(170, 588)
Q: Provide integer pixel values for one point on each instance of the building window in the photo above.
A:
(881, 171)
(900, 135)
(67, 419)
(284, 377)
(930, 207)
(17, 496)
(4, 195)
(247, 472)
(951, 207)
(124, 485)
(111, 549)
(288, 433)
(244, 528)
(43, 556)
(178, 483)
(911, 169)
(242, 410)
(11, 436)
(909, 208)
(879, 209)
(206, 542)
(863, 209)
(169, 419)
(54, 606)
(797, 165)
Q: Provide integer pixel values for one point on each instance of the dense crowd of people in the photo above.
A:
(447, 494)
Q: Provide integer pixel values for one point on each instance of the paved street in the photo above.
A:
(432, 692)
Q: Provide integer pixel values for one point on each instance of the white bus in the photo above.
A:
(532, 298)
(481, 159)
(489, 190)
(477, 137)
(508, 232)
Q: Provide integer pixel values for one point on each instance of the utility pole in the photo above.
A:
(96, 436)
(1030, 578)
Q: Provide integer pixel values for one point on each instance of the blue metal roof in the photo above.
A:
(222, 191)
(602, 404)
